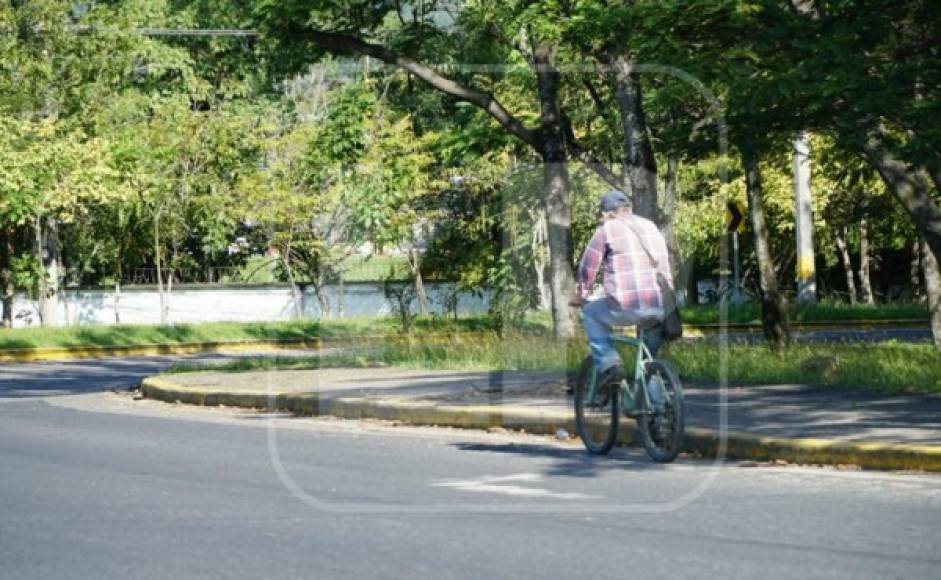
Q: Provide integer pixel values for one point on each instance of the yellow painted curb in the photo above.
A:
(72, 353)
(68, 353)
(705, 442)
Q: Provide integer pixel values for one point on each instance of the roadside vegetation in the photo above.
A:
(825, 311)
(165, 144)
(355, 269)
(887, 367)
(133, 335)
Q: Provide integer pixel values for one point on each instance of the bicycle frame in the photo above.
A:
(629, 400)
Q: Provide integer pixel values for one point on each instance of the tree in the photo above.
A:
(346, 27)
(390, 186)
(180, 164)
(869, 74)
(279, 202)
(299, 212)
(52, 176)
(55, 80)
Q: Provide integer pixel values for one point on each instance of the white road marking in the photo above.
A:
(505, 485)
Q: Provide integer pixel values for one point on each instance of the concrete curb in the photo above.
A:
(81, 352)
(75, 353)
(704, 442)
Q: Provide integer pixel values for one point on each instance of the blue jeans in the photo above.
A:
(600, 316)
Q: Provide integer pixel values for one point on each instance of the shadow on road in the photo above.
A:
(575, 462)
(56, 378)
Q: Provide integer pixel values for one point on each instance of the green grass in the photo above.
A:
(263, 363)
(222, 331)
(890, 367)
(885, 367)
(823, 312)
(374, 268)
(258, 270)
(265, 270)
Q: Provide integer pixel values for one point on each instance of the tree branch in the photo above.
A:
(342, 42)
(600, 105)
(590, 161)
(595, 97)
(909, 186)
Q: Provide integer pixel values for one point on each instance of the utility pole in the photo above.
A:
(803, 215)
(804, 223)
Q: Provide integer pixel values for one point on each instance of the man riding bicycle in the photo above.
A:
(631, 250)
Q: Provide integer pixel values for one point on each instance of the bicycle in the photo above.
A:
(598, 407)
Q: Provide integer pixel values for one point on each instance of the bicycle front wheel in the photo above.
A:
(661, 429)
(596, 417)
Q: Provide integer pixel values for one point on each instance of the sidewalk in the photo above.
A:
(791, 422)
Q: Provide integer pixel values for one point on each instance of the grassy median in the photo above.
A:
(825, 311)
(885, 367)
(128, 335)
(132, 335)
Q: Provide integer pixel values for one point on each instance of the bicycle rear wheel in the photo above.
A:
(661, 430)
(596, 420)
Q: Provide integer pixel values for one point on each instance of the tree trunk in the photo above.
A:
(909, 186)
(556, 191)
(168, 273)
(550, 141)
(52, 265)
(7, 289)
(538, 248)
(773, 306)
(668, 225)
(915, 269)
(933, 290)
(39, 254)
(341, 295)
(934, 171)
(159, 269)
(117, 301)
(688, 273)
(414, 262)
(545, 292)
(840, 238)
(319, 282)
(42, 285)
(118, 275)
(864, 281)
(295, 291)
(639, 165)
(421, 294)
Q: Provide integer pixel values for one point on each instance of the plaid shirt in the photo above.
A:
(629, 275)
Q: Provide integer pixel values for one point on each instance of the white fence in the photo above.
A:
(244, 304)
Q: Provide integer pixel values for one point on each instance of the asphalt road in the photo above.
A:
(69, 377)
(99, 485)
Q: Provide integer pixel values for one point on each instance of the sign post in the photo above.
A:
(735, 222)
(804, 224)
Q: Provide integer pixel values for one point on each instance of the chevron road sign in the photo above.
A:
(735, 217)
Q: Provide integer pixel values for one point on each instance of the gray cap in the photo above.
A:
(613, 200)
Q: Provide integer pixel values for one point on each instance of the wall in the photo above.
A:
(141, 306)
